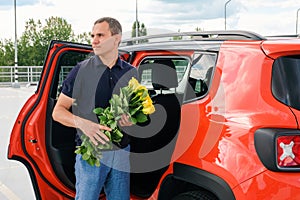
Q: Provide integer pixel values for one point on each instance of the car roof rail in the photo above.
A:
(194, 36)
(282, 36)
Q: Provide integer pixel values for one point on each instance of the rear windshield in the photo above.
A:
(286, 80)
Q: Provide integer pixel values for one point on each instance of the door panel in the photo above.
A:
(44, 146)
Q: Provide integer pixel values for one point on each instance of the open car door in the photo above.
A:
(44, 146)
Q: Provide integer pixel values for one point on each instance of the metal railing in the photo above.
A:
(26, 75)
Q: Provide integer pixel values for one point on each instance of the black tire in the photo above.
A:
(195, 195)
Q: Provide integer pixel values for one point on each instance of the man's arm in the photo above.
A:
(62, 115)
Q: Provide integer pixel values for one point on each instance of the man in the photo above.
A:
(91, 84)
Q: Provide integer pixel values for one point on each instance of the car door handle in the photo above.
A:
(33, 140)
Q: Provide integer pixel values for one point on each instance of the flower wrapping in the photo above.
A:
(133, 101)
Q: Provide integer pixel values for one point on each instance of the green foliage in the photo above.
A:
(177, 37)
(84, 38)
(34, 42)
(7, 53)
(198, 29)
(6, 56)
(133, 101)
(142, 31)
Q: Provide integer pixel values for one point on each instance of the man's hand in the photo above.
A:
(93, 130)
(125, 120)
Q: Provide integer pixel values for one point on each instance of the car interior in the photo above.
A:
(147, 140)
(164, 82)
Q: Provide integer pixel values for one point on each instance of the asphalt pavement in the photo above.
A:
(15, 183)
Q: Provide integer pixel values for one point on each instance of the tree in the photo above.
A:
(142, 31)
(84, 38)
(198, 29)
(177, 37)
(6, 57)
(7, 53)
(34, 42)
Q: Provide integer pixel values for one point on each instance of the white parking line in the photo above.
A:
(8, 193)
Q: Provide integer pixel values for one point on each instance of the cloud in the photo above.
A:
(6, 3)
(189, 15)
(201, 9)
(265, 17)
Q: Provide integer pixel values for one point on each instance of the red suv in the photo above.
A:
(226, 124)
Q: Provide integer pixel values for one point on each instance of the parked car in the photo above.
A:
(226, 124)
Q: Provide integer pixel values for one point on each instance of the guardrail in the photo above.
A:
(26, 75)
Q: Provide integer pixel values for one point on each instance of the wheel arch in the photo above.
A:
(185, 178)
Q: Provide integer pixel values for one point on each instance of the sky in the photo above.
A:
(265, 17)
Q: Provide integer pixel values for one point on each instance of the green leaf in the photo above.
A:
(133, 120)
(103, 119)
(134, 110)
(113, 125)
(120, 111)
(98, 111)
(117, 135)
(108, 134)
(122, 94)
(141, 117)
(89, 146)
(117, 118)
(125, 102)
(79, 149)
(91, 162)
(117, 100)
(109, 122)
(86, 156)
(97, 163)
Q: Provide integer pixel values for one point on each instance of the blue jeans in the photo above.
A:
(113, 175)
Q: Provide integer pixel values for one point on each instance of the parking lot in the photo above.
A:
(15, 183)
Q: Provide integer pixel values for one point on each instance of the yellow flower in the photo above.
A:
(148, 107)
(141, 88)
(133, 83)
(149, 110)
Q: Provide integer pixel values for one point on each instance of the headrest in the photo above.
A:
(163, 74)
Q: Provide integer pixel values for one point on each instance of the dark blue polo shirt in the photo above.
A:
(91, 84)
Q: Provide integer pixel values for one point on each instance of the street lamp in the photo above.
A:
(225, 12)
(297, 21)
(16, 82)
(136, 19)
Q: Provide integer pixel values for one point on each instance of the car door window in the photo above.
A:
(180, 65)
(200, 75)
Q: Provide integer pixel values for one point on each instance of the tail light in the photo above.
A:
(278, 149)
(288, 151)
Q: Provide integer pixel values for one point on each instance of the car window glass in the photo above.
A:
(179, 64)
(200, 75)
(286, 80)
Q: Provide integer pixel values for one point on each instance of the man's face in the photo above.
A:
(103, 42)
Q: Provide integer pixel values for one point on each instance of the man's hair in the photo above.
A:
(114, 25)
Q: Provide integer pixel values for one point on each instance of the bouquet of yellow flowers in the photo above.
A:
(133, 101)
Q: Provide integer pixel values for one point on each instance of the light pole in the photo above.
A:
(136, 19)
(225, 12)
(16, 82)
(297, 21)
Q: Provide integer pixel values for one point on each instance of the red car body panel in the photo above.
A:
(216, 132)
